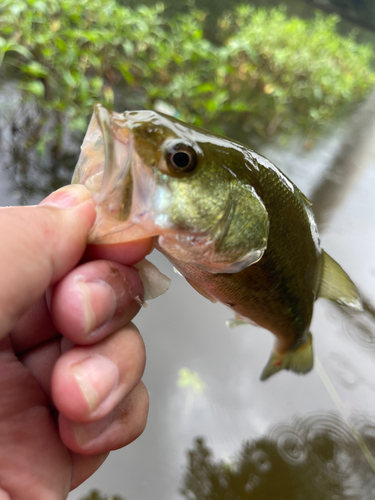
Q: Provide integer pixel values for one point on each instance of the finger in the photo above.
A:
(41, 361)
(125, 253)
(36, 325)
(33, 328)
(122, 426)
(88, 382)
(30, 443)
(84, 466)
(45, 242)
(94, 300)
(4, 495)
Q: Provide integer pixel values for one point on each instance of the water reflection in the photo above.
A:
(347, 166)
(359, 325)
(315, 457)
(32, 175)
(346, 373)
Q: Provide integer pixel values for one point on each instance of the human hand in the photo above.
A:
(70, 371)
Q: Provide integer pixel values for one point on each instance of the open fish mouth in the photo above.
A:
(123, 189)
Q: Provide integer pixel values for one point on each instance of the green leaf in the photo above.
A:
(11, 46)
(205, 87)
(36, 88)
(34, 68)
(68, 79)
(61, 44)
(108, 95)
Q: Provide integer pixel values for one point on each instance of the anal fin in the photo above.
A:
(336, 285)
(299, 360)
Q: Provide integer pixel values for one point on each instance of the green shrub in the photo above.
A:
(96, 495)
(291, 72)
(273, 72)
(64, 53)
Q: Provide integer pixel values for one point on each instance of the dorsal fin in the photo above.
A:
(336, 285)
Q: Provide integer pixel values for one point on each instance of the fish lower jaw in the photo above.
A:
(200, 250)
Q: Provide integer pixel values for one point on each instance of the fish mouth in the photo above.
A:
(122, 187)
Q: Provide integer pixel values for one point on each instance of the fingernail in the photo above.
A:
(109, 298)
(85, 433)
(67, 196)
(98, 302)
(97, 376)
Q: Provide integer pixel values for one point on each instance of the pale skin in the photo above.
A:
(71, 361)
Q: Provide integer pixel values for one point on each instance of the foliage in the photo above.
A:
(275, 73)
(96, 495)
(357, 11)
(65, 52)
(291, 72)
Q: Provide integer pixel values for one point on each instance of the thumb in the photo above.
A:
(38, 246)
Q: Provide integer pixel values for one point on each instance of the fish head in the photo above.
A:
(154, 176)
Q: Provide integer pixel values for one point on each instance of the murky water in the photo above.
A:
(215, 432)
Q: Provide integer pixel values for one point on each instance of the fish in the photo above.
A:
(236, 227)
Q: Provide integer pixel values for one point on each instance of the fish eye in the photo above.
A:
(181, 158)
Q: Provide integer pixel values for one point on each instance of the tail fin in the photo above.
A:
(300, 360)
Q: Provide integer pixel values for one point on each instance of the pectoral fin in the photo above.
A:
(336, 285)
(236, 321)
(239, 320)
(300, 360)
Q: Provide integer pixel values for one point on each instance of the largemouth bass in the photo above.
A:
(231, 222)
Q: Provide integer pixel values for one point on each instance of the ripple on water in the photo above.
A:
(309, 458)
(325, 452)
(261, 461)
(345, 373)
(332, 442)
(292, 447)
(360, 326)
